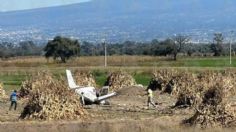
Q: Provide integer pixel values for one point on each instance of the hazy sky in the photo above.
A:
(9, 5)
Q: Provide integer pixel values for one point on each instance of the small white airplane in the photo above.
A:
(89, 94)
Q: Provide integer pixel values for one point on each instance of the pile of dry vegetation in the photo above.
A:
(181, 84)
(2, 91)
(50, 99)
(208, 92)
(161, 79)
(85, 78)
(118, 80)
(189, 88)
(26, 88)
(215, 108)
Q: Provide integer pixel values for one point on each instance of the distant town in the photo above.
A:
(110, 35)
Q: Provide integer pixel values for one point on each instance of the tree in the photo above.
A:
(179, 42)
(163, 48)
(217, 46)
(24, 48)
(7, 49)
(62, 47)
(87, 49)
(129, 48)
(27, 48)
(190, 49)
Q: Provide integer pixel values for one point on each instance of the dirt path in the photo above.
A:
(164, 124)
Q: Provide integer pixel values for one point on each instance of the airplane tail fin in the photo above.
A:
(70, 80)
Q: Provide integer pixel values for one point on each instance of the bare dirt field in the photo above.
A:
(127, 112)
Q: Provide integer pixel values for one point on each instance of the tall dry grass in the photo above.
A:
(36, 61)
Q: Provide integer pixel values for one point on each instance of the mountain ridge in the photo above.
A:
(119, 20)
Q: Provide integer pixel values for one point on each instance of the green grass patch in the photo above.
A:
(192, 62)
(143, 79)
(100, 80)
(13, 79)
(10, 88)
(139, 76)
(208, 62)
(100, 77)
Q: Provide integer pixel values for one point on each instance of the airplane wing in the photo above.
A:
(106, 96)
(71, 81)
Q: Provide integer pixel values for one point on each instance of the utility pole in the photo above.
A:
(105, 53)
(123, 53)
(230, 47)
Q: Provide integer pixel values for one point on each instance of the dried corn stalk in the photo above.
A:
(50, 99)
(28, 85)
(118, 80)
(188, 87)
(84, 78)
(191, 87)
(162, 78)
(186, 91)
(215, 108)
(2, 91)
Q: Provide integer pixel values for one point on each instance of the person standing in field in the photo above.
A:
(13, 99)
(150, 99)
(82, 99)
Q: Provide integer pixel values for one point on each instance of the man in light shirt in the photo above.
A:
(150, 99)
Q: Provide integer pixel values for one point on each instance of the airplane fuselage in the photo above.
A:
(89, 94)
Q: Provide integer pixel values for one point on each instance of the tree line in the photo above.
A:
(25, 48)
(64, 48)
(168, 47)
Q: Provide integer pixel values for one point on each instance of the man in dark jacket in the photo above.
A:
(13, 99)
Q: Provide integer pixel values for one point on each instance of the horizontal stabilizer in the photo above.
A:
(106, 96)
